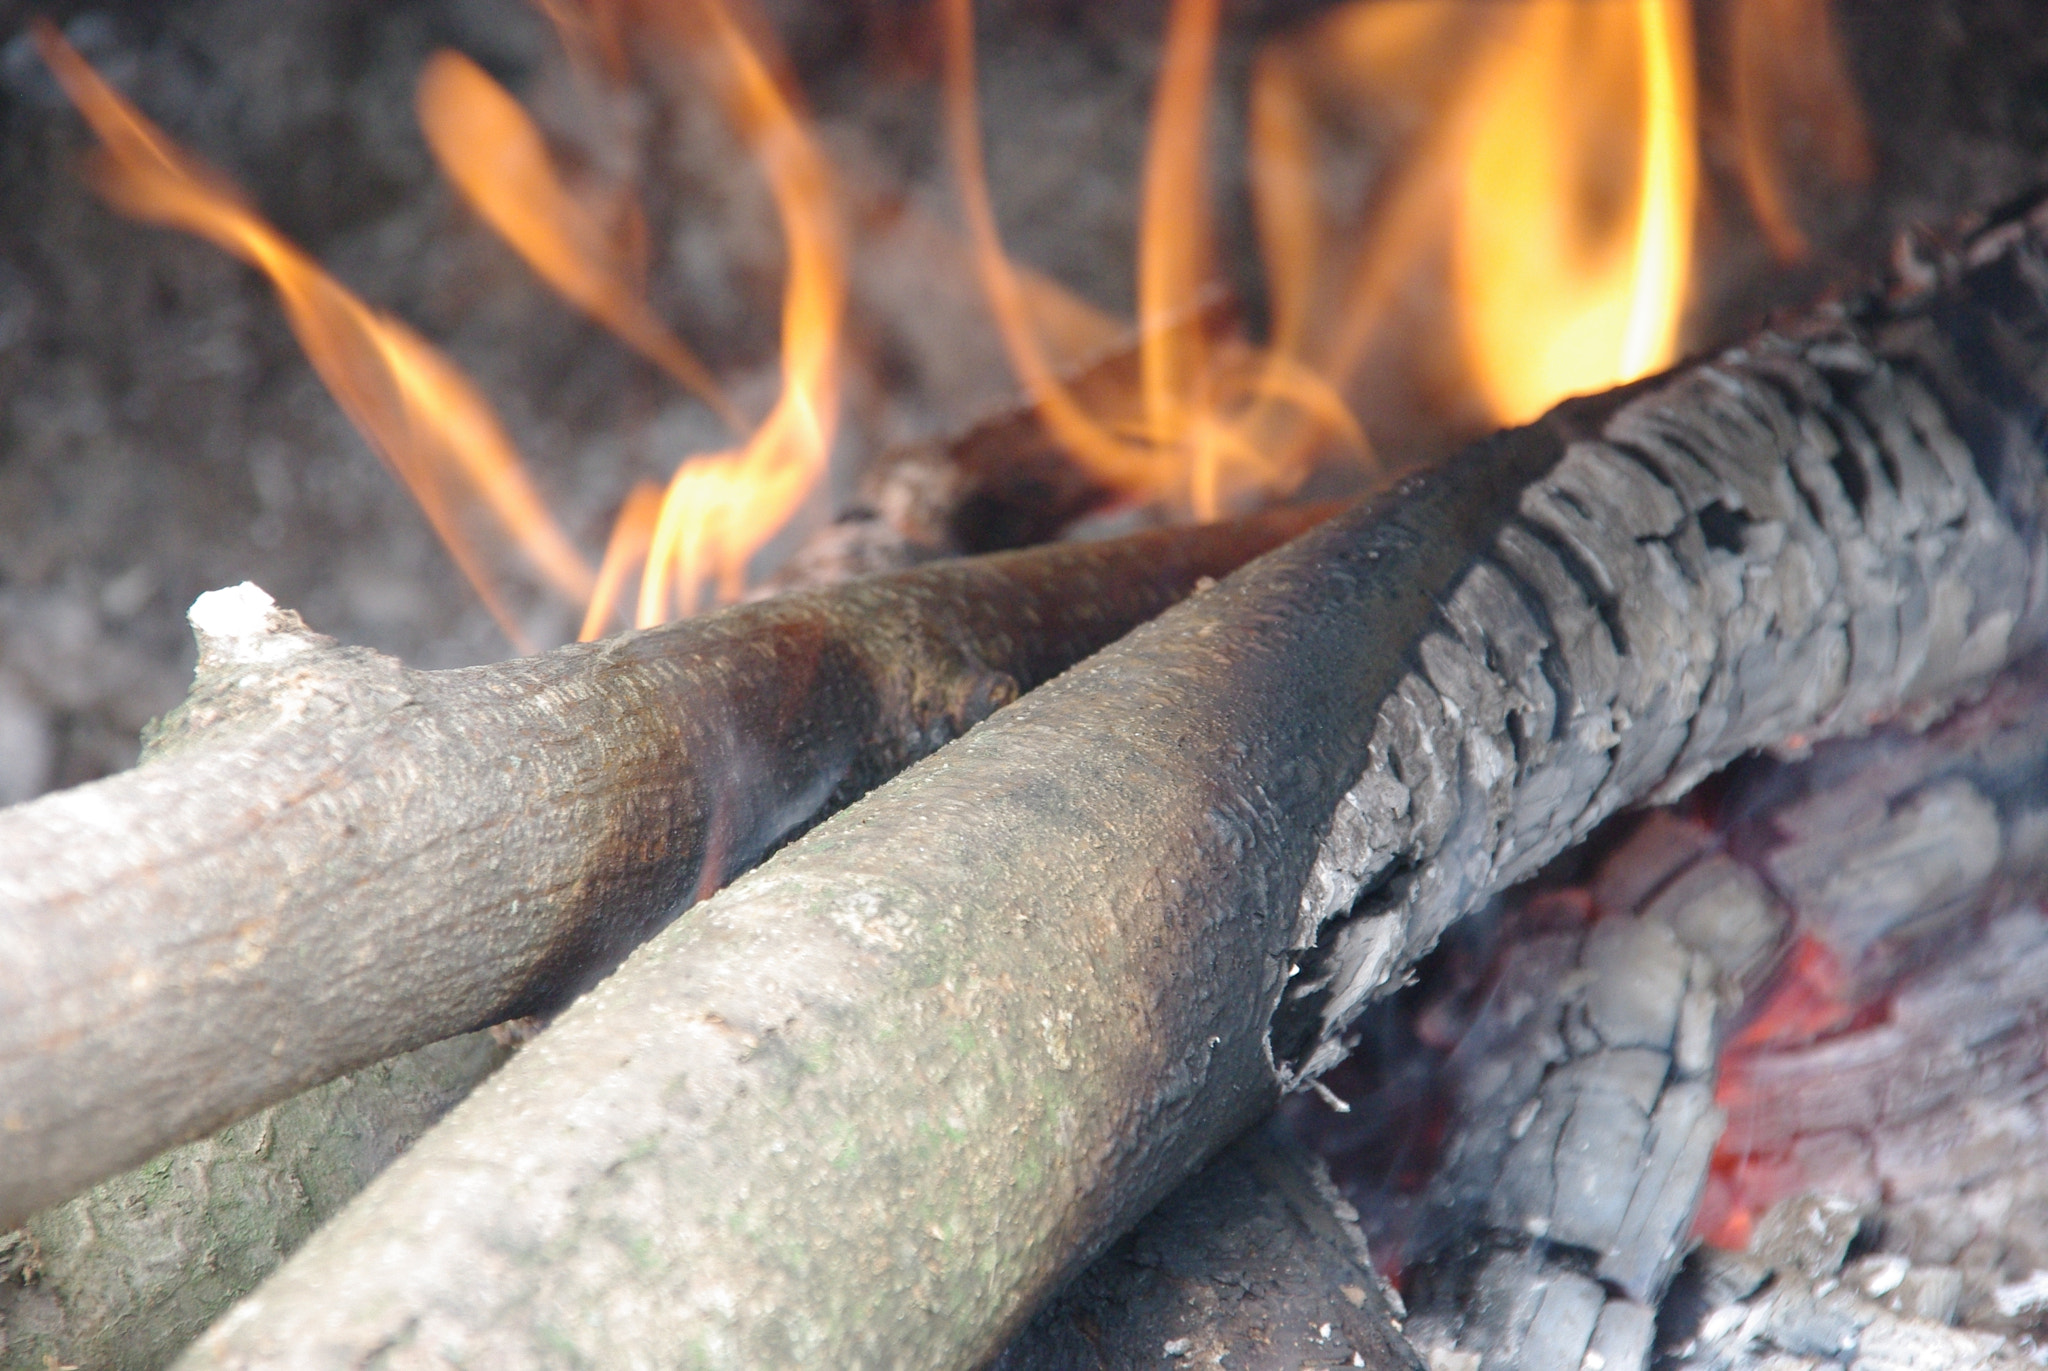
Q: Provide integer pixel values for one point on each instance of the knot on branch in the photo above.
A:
(259, 664)
(241, 626)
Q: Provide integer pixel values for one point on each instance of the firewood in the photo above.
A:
(327, 859)
(872, 1103)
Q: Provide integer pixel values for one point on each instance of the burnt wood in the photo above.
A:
(875, 1101)
(326, 858)
(1584, 1095)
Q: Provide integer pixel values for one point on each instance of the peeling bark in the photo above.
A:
(327, 859)
(871, 1104)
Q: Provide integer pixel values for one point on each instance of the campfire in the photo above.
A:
(1166, 684)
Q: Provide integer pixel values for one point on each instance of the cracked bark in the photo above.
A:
(1000, 1008)
(327, 859)
(1586, 1113)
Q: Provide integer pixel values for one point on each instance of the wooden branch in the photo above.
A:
(327, 858)
(871, 1104)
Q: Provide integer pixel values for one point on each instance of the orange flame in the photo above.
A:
(496, 157)
(1792, 95)
(1557, 298)
(416, 407)
(1556, 172)
(1210, 427)
(720, 509)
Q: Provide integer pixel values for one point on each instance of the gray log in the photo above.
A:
(871, 1104)
(1584, 1117)
(327, 859)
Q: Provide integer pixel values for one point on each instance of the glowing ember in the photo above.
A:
(1811, 998)
(415, 406)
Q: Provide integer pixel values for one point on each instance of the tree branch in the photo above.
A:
(327, 859)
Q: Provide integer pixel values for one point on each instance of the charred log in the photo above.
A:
(1585, 1104)
(1792, 1303)
(1585, 1118)
(999, 1009)
(328, 859)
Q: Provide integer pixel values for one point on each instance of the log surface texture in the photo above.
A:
(871, 1104)
(326, 858)
(123, 1277)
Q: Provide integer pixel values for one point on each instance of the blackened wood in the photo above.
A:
(1004, 482)
(1586, 1111)
(327, 858)
(873, 1103)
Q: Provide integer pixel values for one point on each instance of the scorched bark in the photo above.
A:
(868, 1106)
(327, 859)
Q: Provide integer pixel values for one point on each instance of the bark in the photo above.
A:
(871, 1104)
(1254, 1264)
(327, 859)
(123, 1277)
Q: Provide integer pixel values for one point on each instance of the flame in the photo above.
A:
(721, 509)
(1556, 171)
(1211, 426)
(1553, 301)
(1792, 87)
(491, 150)
(625, 552)
(415, 407)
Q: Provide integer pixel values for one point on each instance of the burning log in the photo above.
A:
(1585, 1118)
(873, 1102)
(1586, 1110)
(327, 859)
